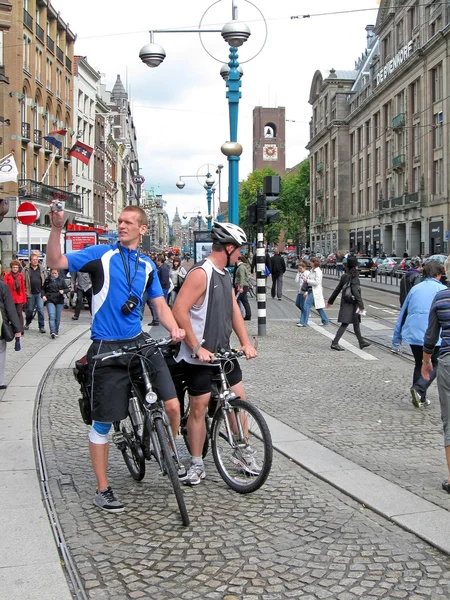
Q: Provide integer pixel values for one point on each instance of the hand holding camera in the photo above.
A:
(57, 213)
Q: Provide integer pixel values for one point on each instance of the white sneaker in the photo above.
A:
(245, 459)
(194, 475)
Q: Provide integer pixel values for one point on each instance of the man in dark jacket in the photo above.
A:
(412, 277)
(34, 276)
(164, 279)
(277, 269)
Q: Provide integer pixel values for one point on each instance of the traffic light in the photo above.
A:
(272, 184)
(261, 209)
(252, 214)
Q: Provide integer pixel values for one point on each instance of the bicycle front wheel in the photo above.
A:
(171, 469)
(241, 446)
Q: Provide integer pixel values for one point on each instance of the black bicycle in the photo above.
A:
(145, 433)
(238, 433)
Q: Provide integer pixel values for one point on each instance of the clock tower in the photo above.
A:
(269, 139)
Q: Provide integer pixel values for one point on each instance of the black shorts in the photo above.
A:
(199, 377)
(110, 380)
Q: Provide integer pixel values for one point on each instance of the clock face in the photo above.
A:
(270, 152)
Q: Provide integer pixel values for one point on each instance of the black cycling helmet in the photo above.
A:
(228, 233)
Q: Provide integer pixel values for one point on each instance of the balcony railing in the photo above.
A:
(319, 194)
(59, 54)
(50, 44)
(40, 192)
(399, 121)
(40, 33)
(68, 63)
(398, 162)
(28, 19)
(47, 145)
(400, 202)
(26, 131)
(38, 137)
(319, 167)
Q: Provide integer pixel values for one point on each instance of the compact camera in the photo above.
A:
(130, 305)
(58, 206)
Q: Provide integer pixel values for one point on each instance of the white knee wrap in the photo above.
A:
(97, 438)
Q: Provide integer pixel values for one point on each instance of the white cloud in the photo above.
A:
(180, 108)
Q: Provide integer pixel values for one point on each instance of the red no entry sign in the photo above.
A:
(27, 213)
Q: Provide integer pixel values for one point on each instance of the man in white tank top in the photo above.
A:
(207, 310)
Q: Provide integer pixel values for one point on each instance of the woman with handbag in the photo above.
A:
(352, 305)
(16, 283)
(300, 278)
(11, 327)
(177, 275)
(53, 292)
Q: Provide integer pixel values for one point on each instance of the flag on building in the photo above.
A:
(56, 138)
(81, 151)
(8, 169)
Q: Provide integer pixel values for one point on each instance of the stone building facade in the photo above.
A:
(379, 145)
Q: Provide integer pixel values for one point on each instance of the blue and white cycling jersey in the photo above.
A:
(110, 288)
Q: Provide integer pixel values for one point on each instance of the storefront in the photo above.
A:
(436, 237)
(376, 249)
(352, 241)
(368, 242)
(359, 241)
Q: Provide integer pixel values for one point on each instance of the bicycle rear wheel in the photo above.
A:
(171, 469)
(241, 446)
(128, 443)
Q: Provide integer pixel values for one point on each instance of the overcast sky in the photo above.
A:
(180, 108)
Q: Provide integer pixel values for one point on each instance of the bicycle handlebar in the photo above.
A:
(132, 349)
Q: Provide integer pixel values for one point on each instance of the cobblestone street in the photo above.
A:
(297, 537)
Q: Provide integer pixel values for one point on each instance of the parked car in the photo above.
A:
(441, 258)
(376, 261)
(364, 265)
(389, 265)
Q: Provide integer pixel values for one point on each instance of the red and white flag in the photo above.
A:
(81, 151)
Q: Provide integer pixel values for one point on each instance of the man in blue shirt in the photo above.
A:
(120, 276)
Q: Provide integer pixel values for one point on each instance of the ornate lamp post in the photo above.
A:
(235, 33)
(208, 185)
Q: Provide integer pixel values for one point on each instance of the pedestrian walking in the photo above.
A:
(412, 277)
(439, 325)
(164, 279)
(277, 270)
(352, 305)
(314, 294)
(34, 275)
(240, 283)
(8, 311)
(82, 287)
(16, 283)
(300, 278)
(53, 292)
(412, 325)
(177, 275)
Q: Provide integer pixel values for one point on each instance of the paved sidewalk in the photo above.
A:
(359, 433)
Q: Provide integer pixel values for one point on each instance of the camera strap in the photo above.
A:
(127, 268)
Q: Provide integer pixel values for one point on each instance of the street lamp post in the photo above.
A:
(235, 33)
(209, 182)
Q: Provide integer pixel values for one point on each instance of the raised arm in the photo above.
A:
(55, 258)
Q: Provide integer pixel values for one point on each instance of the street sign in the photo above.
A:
(138, 179)
(27, 213)
(446, 236)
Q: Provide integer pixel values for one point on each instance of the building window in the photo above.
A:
(377, 160)
(353, 207)
(352, 144)
(360, 201)
(412, 20)
(399, 33)
(416, 139)
(436, 83)
(23, 166)
(368, 136)
(376, 125)
(437, 183)
(416, 179)
(368, 198)
(48, 74)
(35, 167)
(67, 95)
(58, 82)
(415, 96)
(437, 130)
(369, 165)
(360, 142)
(360, 169)
(352, 174)
(38, 70)
(26, 52)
